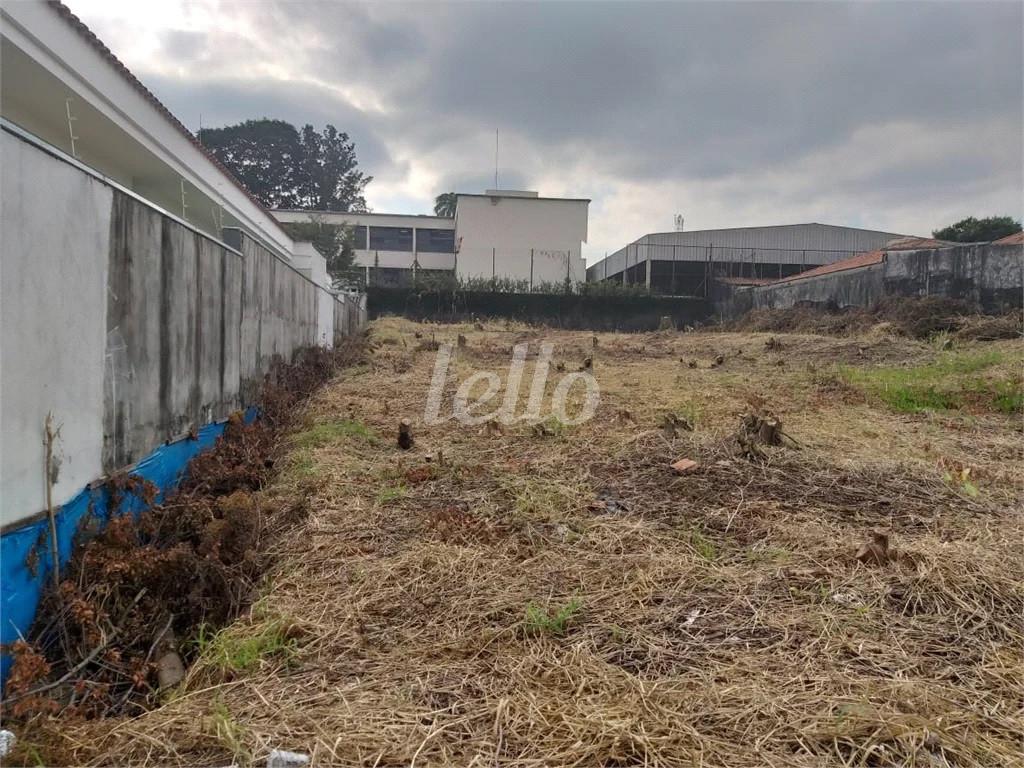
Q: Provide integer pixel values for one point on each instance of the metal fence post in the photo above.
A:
(707, 268)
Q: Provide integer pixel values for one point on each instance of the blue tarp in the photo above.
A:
(25, 553)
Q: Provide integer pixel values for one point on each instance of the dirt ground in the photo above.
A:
(559, 595)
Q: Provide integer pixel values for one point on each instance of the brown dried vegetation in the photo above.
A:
(191, 560)
(573, 601)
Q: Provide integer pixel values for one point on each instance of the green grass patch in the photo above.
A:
(540, 620)
(240, 649)
(330, 432)
(539, 499)
(703, 546)
(228, 731)
(390, 493)
(300, 465)
(951, 382)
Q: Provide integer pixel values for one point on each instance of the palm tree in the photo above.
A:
(444, 205)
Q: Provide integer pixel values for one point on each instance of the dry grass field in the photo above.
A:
(558, 595)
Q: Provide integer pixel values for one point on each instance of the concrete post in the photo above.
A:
(647, 266)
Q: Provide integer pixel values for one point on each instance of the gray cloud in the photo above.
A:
(912, 109)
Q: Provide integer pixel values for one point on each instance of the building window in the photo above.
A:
(391, 239)
(359, 238)
(435, 240)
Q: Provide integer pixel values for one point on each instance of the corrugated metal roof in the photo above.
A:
(90, 37)
(802, 244)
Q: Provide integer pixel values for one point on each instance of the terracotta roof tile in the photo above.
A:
(915, 243)
(1017, 238)
(854, 262)
(90, 37)
(747, 280)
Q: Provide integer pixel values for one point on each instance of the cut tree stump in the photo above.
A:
(405, 441)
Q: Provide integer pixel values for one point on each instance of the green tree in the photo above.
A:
(444, 205)
(262, 154)
(329, 177)
(286, 168)
(972, 230)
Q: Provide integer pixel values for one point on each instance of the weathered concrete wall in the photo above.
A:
(126, 323)
(990, 277)
(278, 312)
(340, 312)
(173, 318)
(55, 225)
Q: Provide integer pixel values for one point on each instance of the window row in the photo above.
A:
(401, 239)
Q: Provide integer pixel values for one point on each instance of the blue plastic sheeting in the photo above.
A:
(25, 553)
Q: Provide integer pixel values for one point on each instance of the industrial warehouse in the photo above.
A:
(687, 263)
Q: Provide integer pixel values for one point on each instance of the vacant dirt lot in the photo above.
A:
(558, 595)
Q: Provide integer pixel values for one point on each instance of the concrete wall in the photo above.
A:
(172, 326)
(53, 284)
(129, 325)
(278, 311)
(990, 277)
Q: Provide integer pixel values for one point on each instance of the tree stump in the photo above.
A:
(405, 441)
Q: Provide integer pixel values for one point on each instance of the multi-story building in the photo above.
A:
(499, 235)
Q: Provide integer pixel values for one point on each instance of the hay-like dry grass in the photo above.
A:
(566, 599)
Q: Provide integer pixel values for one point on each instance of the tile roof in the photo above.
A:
(90, 37)
(854, 262)
(916, 243)
(1017, 238)
(747, 280)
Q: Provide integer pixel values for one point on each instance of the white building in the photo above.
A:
(63, 86)
(501, 234)
(521, 236)
(391, 245)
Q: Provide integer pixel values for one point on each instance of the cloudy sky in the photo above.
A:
(895, 116)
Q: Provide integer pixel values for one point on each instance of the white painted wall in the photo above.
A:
(122, 131)
(512, 225)
(366, 219)
(53, 302)
(310, 263)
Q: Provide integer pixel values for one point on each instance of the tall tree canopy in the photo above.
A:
(972, 230)
(286, 168)
(444, 205)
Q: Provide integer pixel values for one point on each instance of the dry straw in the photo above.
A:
(525, 599)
